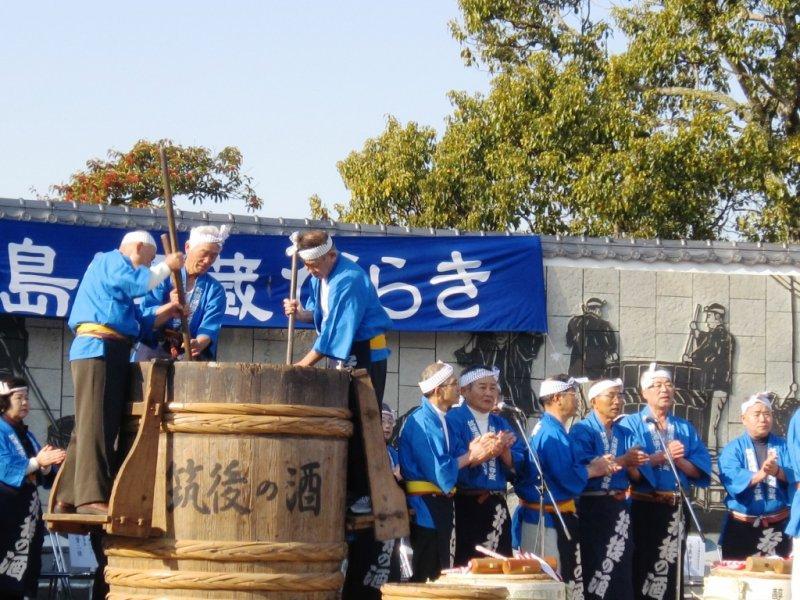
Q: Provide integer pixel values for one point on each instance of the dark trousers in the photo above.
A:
(655, 543)
(434, 547)
(481, 520)
(101, 387)
(740, 540)
(370, 564)
(606, 548)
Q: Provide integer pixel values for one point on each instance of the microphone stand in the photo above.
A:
(542, 488)
(684, 500)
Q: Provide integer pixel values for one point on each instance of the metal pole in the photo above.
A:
(684, 500)
(293, 316)
(177, 280)
(544, 485)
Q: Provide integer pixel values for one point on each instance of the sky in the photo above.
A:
(296, 86)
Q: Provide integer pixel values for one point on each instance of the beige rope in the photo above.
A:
(410, 591)
(275, 410)
(244, 424)
(210, 580)
(166, 548)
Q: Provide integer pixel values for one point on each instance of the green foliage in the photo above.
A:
(133, 178)
(690, 131)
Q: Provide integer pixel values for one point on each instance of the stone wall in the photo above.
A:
(648, 312)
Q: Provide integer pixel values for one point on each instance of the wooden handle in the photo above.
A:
(524, 566)
(485, 565)
(293, 316)
(759, 564)
(177, 280)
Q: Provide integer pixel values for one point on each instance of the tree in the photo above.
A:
(133, 178)
(690, 131)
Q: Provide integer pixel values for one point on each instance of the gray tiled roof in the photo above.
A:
(603, 249)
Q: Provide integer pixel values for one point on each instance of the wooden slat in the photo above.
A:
(131, 504)
(388, 500)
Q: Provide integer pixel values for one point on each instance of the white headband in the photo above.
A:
(548, 387)
(5, 390)
(759, 398)
(309, 253)
(205, 237)
(437, 379)
(603, 386)
(135, 237)
(473, 376)
(652, 373)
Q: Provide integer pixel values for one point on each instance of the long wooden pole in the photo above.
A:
(177, 280)
(293, 316)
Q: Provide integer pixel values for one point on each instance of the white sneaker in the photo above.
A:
(362, 506)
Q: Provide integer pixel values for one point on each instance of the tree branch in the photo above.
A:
(709, 95)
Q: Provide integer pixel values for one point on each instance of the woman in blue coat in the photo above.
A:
(24, 465)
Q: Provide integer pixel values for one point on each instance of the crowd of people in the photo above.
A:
(600, 494)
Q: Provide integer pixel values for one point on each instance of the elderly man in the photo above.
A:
(106, 322)
(343, 305)
(429, 467)
(656, 512)
(351, 329)
(482, 516)
(604, 517)
(204, 296)
(753, 468)
(565, 476)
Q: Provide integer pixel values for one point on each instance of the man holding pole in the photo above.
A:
(350, 321)
(351, 329)
(205, 301)
(657, 517)
(106, 322)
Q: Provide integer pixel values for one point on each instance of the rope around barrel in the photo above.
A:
(412, 591)
(274, 410)
(210, 580)
(166, 548)
(251, 424)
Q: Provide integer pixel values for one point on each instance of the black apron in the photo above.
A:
(606, 548)
(481, 520)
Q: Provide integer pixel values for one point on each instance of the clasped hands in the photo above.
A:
(491, 445)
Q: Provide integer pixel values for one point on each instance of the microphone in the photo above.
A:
(651, 420)
(511, 407)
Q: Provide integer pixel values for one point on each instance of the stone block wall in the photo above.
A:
(649, 313)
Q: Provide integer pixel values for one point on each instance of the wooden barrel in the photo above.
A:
(250, 491)
(412, 591)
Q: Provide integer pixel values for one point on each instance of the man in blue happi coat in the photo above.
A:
(106, 323)
(756, 471)
(482, 516)
(204, 296)
(343, 305)
(536, 527)
(657, 516)
(429, 468)
(793, 528)
(603, 513)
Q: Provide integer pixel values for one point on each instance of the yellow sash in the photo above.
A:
(378, 342)
(416, 488)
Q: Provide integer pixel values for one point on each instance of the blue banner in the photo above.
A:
(460, 283)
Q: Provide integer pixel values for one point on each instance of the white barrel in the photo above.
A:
(741, 585)
(520, 587)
